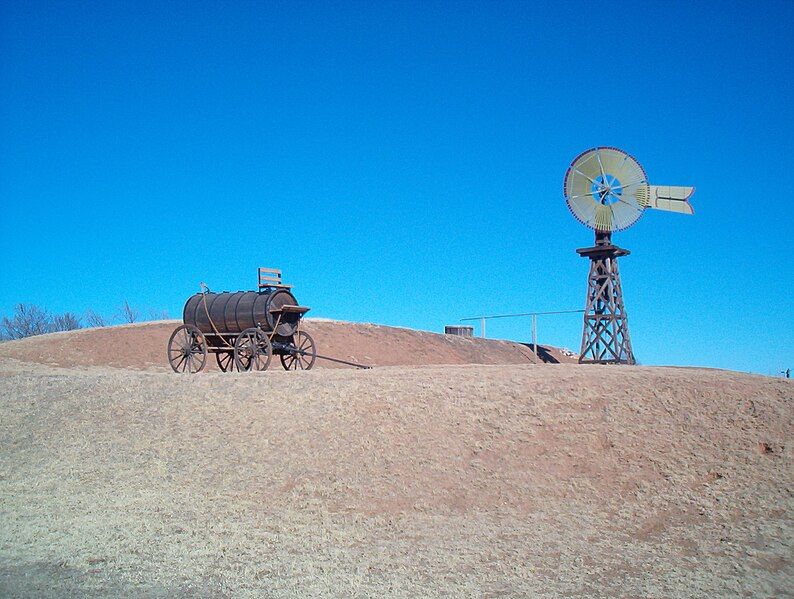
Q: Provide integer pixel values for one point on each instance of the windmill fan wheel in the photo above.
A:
(606, 189)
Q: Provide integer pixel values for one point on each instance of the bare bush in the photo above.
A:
(65, 322)
(127, 313)
(158, 314)
(95, 320)
(28, 320)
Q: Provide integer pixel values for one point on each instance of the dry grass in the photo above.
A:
(438, 481)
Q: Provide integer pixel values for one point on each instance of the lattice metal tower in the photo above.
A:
(607, 190)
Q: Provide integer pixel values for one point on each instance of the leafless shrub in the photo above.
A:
(65, 322)
(158, 314)
(95, 320)
(27, 320)
(127, 313)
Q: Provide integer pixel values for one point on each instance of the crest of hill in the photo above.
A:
(142, 346)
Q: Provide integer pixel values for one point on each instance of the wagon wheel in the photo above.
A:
(225, 360)
(187, 349)
(252, 351)
(302, 354)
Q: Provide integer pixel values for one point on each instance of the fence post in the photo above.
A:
(535, 334)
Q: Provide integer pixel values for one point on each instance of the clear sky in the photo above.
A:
(402, 162)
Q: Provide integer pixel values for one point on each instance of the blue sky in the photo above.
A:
(402, 162)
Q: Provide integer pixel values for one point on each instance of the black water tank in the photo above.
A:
(234, 312)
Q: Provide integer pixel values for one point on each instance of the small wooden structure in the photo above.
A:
(459, 330)
(271, 277)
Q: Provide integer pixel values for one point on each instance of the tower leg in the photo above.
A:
(605, 337)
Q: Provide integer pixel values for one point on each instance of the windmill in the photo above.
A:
(607, 190)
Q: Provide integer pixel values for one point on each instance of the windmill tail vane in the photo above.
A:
(670, 198)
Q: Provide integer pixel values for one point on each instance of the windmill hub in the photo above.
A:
(607, 190)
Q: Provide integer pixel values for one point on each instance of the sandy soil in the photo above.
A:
(453, 481)
(143, 347)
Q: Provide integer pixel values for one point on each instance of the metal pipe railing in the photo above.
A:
(534, 316)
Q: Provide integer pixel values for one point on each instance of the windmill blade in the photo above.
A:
(671, 198)
(603, 218)
(621, 165)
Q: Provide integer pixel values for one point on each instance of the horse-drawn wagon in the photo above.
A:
(244, 329)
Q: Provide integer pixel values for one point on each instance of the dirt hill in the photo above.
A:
(143, 347)
(462, 481)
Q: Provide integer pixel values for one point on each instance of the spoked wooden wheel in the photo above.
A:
(252, 351)
(187, 349)
(225, 360)
(301, 355)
